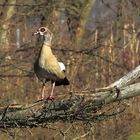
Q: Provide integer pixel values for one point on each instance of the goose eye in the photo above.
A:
(42, 29)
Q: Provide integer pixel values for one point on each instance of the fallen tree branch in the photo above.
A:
(91, 105)
(124, 81)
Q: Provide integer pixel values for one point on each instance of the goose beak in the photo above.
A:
(35, 33)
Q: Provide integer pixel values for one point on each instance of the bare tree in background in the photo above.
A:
(6, 14)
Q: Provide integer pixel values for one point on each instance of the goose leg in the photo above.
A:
(52, 92)
(42, 92)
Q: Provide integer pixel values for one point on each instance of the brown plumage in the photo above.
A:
(46, 67)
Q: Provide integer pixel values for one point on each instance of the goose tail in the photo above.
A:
(64, 82)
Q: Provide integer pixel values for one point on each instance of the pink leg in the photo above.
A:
(42, 92)
(52, 92)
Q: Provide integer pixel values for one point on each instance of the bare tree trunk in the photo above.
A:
(7, 12)
(83, 20)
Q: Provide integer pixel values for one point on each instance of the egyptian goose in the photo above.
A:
(46, 67)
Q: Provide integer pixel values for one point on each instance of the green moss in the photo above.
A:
(134, 137)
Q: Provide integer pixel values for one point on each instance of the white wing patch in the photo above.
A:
(62, 66)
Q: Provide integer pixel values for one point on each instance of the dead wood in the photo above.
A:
(90, 105)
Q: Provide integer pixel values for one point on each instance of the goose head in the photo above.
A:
(44, 31)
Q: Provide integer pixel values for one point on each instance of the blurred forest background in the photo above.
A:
(98, 40)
